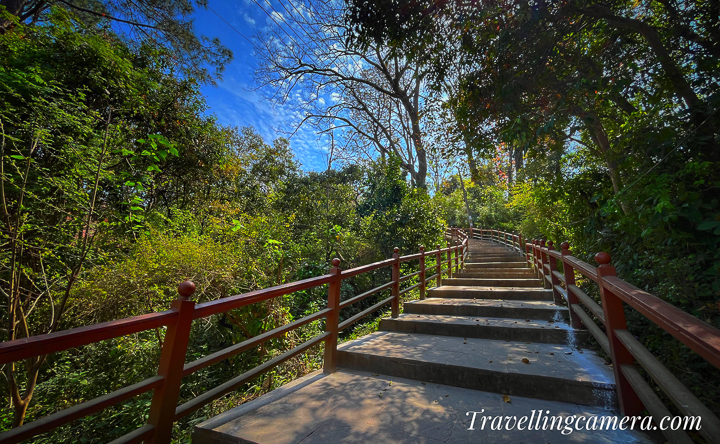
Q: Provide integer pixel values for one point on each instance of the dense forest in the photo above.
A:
(580, 121)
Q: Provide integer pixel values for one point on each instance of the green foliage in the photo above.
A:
(117, 187)
(394, 215)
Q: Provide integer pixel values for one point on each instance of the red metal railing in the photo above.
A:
(557, 270)
(164, 409)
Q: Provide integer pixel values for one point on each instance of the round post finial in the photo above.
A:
(565, 245)
(602, 258)
(336, 262)
(550, 244)
(422, 247)
(396, 250)
(186, 289)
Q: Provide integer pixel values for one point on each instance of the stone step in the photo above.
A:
(514, 294)
(350, 406)
(494, 308)
(485, 258)
(508, 329)
(479, 264)
(496, 273)
(550, 371)
(503, 282)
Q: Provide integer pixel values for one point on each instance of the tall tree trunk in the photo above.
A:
(467, 207)
(518, 160)
(510, 168)
(474, 173)
(597, 130)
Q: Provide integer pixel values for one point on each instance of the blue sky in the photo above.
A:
(234, 100)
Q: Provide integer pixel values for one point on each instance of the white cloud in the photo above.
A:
(335, 97)
(249, 20)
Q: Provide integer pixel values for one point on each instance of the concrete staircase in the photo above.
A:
(490, 337)
(490, 327)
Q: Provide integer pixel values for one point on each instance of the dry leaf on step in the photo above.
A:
(506, 398)
(525, 361)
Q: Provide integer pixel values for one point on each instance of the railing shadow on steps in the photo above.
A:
(557, 271)
(164, 409)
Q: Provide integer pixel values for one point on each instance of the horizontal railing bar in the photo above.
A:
(142, 434)
(589, 302)
(562, 292)
(408, 276)
(559, 275)
(362, 296)
(366, 268)
(592, 327)
(220, 355)
(653, 404)
(701, 337)
(445, 270)
(547, 267)
(410, 288)
(584, 268)
(232, 302)
(683, 399)
(410, 257)
(348, 322)
(219, 391)
(70, 414)
(555, 253)
(431, 277)
(19, 349)
(548, 278)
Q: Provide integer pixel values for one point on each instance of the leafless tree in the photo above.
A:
(375, 96)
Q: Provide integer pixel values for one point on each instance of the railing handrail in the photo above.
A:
(172, 368)
(556, 270)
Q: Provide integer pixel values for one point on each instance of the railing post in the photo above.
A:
(457, 257)
(557, 296)
(172, 360)
(438, 266)
(521, 244)
(396, 285)
(630, 404)
(527, 254)
(569, 273)
(535, 257)
(449, 261)
(538, 258)
(544, 271)
(422, 272)
(333, 319)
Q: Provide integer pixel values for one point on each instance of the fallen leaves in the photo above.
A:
(506, 398)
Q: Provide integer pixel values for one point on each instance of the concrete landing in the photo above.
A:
(552, 372)
(358, 407)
